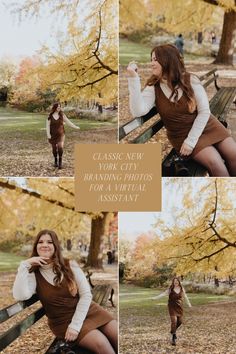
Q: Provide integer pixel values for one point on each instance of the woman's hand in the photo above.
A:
(132, 69)
(185, 150)
(37, 261)
(71, 334)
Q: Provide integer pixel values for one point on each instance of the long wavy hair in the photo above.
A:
(173, 285)
(61, 266)
(173, 70)
(53, 110)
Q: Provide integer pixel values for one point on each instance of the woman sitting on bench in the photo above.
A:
(184, 109)
(65, 295)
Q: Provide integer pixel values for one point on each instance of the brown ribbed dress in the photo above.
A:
(60, 307)
(178, 121)
(175, 303)
(57, 130)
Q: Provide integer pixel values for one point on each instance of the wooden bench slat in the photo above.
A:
(17, 307)
(14, 332)
(222, 102)
(209, 73)
(134, 123)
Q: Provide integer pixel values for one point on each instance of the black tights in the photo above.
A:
(176, 321)
(57, 149)
(103, 340)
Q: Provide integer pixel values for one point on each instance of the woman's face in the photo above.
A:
(176, 282)
(156, 67)
(45, 246)
(58, 108)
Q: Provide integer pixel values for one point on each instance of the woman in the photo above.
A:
(176, 294)
(65, 294)
(56, 132)
(184, 108)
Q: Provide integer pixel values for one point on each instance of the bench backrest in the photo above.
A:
(147, 133)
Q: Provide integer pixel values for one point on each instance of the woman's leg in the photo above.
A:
(173, 320)
(97, 342)
(111, 332)
(211, 159)
(179, 321)
(54, 152)
(60, 151)
(227, 149)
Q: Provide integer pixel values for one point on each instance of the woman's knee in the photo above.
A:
(102, 346)
(213, 162)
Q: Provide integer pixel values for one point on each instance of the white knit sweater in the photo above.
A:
(25, 286)
(142, 101)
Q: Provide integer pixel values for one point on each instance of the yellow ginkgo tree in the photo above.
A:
(85, 62)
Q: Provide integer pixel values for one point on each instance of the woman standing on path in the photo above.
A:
(56, 132)
(176, 295)
(184, 108)
(66, 297)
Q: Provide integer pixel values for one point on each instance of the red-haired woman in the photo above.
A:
(184, 108)
(65, 294)
(176, 295)
(56, 132)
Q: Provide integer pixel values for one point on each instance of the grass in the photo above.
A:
(129, 51)
(25, 122)
(134, 297)
(9, 262)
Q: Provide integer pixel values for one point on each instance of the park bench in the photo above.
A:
(101, 294)
(172, 165)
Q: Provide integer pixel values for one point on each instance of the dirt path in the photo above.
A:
(207, 329)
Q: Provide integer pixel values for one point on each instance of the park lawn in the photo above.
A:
(134, 297)
(9, 262)
(27, 123)
(129, 51)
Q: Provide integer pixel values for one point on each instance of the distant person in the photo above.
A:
(213, 37)
(176, 294)
(183, 105)
(179, 43)
(109, 257)
(56, 132)
(65, 295)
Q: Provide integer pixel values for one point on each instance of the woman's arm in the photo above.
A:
(48, 128)
(203, 113)
(186, 298)
(25, 283)
(69, 123)
(140, 102)
(165, 293)
(85, 298)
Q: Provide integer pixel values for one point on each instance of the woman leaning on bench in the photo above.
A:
(184, 109)
(65, 295)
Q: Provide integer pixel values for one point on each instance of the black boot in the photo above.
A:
(55, 161)
(173, 342)
(60, 163)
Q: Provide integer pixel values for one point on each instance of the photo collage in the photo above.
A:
(118, 177)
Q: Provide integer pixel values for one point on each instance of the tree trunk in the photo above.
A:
(97, 233)
(228, 38)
